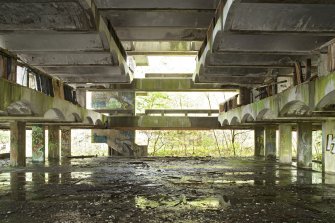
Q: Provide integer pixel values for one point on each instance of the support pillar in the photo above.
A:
(328, 146)
(66, 142)
(18, 144)
(270, 143)
(54, 144)
(81, 97)
(245, 96)
(285, 144)
(259, 142)
(304, 147)
(38, 144)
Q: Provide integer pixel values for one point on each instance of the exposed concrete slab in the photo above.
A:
(114, 43)
(22, 42)
(98, 71)
(236, 82)
(168, 76)
(164, 85)
(159, 18)
(87, 80)
(46, 59)
(164, 122)
(44, 15)
(298, 29)
(156, 4)
(256, 60)
(267, 17)
(275, 43)
(161, 34)
(233, 71)
(162, 47)
(185, 112)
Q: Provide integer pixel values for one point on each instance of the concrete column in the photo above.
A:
(66, 142)
(54, 144)
(259, 142)
(38, 144)
(245, 96)
(285, 144)
(328, 146)
(18, 144)
(81, 97)
(270, 143)
(304, 147)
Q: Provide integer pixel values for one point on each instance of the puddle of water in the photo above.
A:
(5, 179)
(200, 203)
(250, 182)
(81, 177)
(152, 185)
(238, 173)
(218, 180)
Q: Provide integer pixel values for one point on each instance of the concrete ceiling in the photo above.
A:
(64, 38)
(272, 35)
(85, 41)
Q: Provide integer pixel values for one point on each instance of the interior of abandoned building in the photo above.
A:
(58, 57)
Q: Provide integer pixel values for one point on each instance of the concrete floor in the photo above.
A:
(165, 190)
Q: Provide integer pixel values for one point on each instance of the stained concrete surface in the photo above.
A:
(165, 190)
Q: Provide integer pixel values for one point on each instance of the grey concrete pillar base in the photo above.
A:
(66, 142)
(259, 142)
(304, 146)
(270, 143)
(285, 144)
(18, 144)
(54, 143)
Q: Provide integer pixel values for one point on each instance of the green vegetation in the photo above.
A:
(4, 141)
(216, 143)
(317, 145)
(81, 144)
(200, 143)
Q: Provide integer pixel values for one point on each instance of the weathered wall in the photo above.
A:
(23, 99)
(298, 101)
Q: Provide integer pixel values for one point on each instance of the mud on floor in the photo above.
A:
(165, 190)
